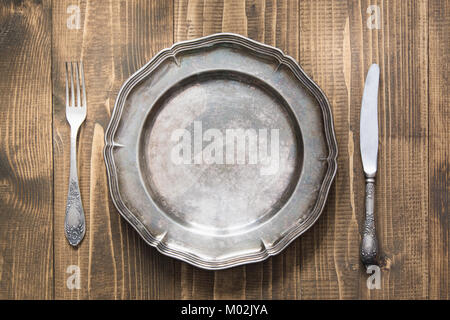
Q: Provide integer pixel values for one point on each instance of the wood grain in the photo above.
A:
(115, 39)
(439, 148)
(401, 49)
(26, 171)
(332, 42)
(330, 260)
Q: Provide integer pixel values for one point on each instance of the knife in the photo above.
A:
(369, 151)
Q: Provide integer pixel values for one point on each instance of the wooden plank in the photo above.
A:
(26, 170)
(329, 261)
(114, 40)
(439, 148)
(400, 47)
(336, 49)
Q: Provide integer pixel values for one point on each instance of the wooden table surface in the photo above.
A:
(335, 46)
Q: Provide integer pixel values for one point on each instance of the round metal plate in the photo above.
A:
(220, 151)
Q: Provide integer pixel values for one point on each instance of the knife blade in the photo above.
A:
(369, 153)
(368, 128)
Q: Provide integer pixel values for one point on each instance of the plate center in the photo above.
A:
(220, 152)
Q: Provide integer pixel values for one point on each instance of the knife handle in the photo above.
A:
(369, 245)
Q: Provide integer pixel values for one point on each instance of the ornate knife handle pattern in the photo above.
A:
(369, 245)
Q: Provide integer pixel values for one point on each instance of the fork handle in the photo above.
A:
(369, 245)
(74, 224)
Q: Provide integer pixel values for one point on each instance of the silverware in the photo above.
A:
(74, 224)
(369, 152)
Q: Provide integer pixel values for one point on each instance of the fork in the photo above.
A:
(74, 223)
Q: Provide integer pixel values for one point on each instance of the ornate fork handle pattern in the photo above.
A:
(74, 224)
(369, 245)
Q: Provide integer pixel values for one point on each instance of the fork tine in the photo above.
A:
(67, 86)
(82, 84)
(77, 77)
(72, 89)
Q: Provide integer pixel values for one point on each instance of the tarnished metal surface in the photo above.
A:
(220, 151)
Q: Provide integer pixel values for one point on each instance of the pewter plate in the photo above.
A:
(220, 151)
